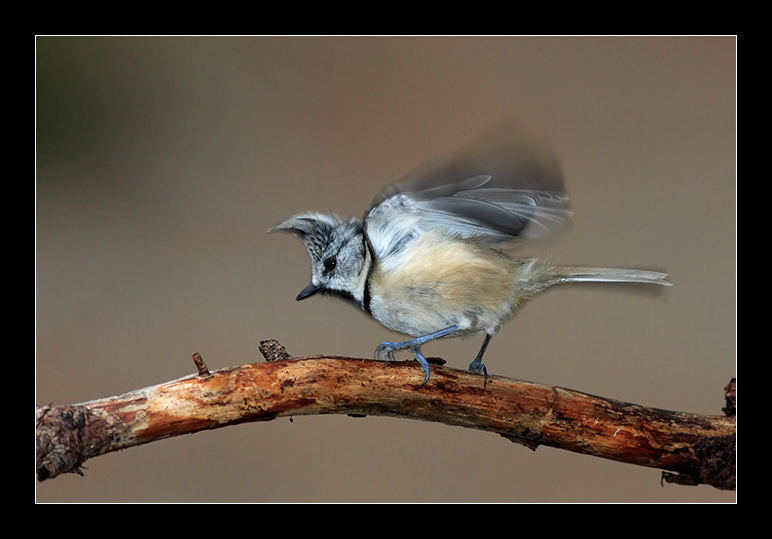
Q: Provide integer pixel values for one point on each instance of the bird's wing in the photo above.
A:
(508, 192)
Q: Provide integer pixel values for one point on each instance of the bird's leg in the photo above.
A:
(415, 345)
(477, 365)
(390, 347)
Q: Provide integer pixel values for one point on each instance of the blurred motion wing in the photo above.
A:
(494, 191)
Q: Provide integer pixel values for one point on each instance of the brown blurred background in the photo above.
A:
(162, 161)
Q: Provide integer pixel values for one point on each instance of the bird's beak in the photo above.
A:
(308, 291)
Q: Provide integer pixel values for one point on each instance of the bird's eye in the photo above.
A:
(330, 263)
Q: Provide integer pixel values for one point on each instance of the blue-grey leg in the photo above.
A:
(415, 345)
(477, 365)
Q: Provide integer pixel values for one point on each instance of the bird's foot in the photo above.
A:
(390, 347)
(478, 367)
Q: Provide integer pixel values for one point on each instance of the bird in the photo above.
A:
(431, 257)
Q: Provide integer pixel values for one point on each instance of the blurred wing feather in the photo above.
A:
(509, 193)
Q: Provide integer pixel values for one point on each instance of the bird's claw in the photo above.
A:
(478, 367)
(390, 347)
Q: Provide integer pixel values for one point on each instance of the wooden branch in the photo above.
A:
(693, 448)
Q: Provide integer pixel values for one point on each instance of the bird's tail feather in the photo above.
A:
(576, 274)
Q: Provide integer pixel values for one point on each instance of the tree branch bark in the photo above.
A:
(694, 449)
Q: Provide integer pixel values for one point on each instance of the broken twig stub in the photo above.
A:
(272, 350)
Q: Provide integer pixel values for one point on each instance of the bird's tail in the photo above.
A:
(576, 274)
